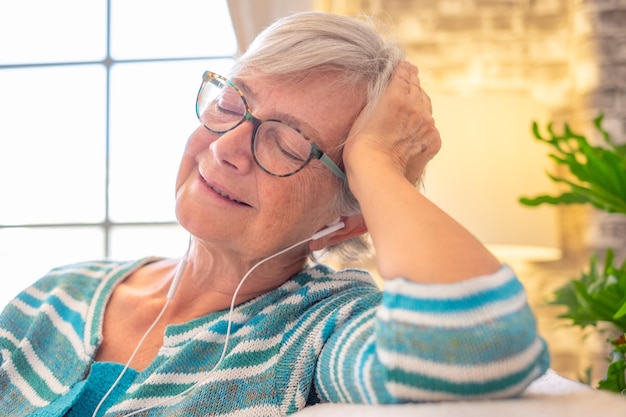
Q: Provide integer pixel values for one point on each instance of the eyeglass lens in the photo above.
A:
(277, 147)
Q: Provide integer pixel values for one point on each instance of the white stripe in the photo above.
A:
(20, 383)
(36, 293)
(338, 351)
(203, 378)
(366, 390)
(202, 331)
(256, 345)
(360, 326)
(80, 307)
(302, 328)
(300, 400)
(198, 379)
(8, 335)
(61, 325)
(313, 319)
(141, 403)
(416, 394)
(475, 373)
(453, 290)
(42, 370)
(467, 318)
(207, 336)
(260, 410)
(105, 276)
(332, 362)
(24, 308)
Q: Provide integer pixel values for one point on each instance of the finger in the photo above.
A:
(415, 74)
(402, 73)
(414, 81)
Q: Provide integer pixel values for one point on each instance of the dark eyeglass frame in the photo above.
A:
(315, 153)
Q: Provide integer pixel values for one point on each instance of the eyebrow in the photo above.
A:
(309, 131)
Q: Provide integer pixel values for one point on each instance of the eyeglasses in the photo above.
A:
(277, 147)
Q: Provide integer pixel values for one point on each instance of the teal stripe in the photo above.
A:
(34, 380)
(29, 300)
(437, 345)
(112, 276)
(73, 317)
(171, 389)
(467, 389)
(338, 348)
(69, 315)
(246, 359)
(362, 377)
(508, 290)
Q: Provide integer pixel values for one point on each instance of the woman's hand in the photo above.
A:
(413, 237)
(400, 134)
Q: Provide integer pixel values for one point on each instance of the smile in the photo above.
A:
(223, 194)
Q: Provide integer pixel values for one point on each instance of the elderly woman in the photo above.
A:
(316, 136)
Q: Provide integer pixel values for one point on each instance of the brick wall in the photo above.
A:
(463, 45)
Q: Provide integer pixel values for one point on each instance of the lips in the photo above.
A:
(224, 194)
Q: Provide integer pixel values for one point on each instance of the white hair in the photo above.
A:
(353, 49)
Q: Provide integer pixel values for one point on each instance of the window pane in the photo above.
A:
(152, 114)
(52, 144)
(170, 29)
(27, 254)
(139, 241)
(52, 31)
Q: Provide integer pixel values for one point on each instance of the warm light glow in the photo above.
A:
(488, 160)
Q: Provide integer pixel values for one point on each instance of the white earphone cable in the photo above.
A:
(179, 272)
(170, 295)
(228, 329)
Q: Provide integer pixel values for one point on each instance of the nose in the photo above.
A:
(232, 150)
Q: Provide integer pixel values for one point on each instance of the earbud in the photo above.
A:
(328, 230)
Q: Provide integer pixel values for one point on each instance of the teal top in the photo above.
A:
(322, 336)
(83, 398)
(101, 378)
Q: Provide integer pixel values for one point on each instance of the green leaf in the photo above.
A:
(621, 312)
(614, 379)
(598, 295)
(597, 175)
(565, 198)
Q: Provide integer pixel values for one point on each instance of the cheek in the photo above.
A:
(305, 202)
(199, 140)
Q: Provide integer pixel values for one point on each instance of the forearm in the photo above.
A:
(414, 238)
(430, 342)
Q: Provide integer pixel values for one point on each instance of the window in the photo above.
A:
(97, 102)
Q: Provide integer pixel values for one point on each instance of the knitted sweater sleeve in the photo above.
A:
(429, 342)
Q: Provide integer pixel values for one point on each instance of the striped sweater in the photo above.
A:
(322, 336)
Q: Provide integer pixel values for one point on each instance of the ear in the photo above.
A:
(354, 226)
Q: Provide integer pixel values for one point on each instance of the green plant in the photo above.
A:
(597, 176)
(599, 295)
(599, 173)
